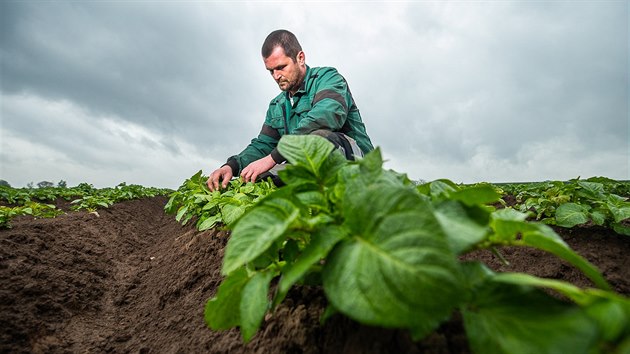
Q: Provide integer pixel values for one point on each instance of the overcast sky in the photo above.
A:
(150, 92)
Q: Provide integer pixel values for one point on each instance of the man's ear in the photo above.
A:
(301, 58)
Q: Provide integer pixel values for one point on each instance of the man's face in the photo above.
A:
(287, 73)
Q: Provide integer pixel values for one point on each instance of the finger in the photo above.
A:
(215, 182)
(209, 182)
(245, 174)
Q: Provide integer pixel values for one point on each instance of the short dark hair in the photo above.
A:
(284, 39)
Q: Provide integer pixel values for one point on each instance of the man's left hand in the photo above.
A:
(257, 167)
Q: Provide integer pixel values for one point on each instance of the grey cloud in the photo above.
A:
(444, 82)
(172, 69)
(533, 73)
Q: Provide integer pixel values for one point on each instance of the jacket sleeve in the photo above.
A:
(330, 104)
(259, 147)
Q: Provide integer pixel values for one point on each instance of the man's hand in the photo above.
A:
(223, 174)
(257, 167)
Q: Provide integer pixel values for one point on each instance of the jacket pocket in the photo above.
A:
(277, 123)
(304, 105)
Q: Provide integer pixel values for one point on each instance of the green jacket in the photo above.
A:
(323, 101)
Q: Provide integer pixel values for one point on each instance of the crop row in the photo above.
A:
(593, 201)
(38, 202)
(387, 253)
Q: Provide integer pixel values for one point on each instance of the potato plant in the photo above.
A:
(597, 201)
(386, 253)
(36, 201)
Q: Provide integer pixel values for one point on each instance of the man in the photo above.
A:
(313, 101)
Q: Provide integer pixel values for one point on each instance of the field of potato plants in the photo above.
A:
(346, 257)
(42, 202)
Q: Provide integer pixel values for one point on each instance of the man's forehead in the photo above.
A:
(277, 57)
(277, 53)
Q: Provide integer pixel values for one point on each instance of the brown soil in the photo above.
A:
(132, 280)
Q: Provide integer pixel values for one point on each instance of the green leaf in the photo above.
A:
(462, 227)
(598, 216)
(619, 213)
(571, 291)
(571, 214)
(506, 319)
(508, 226)
(506, 223)
(475, 274)
(295, 175)
(441, 189)
(313, 199)
(256, 231)
(180, 213)
(169, 208)
(322, 241)
(612, 316)
(475, 195)
(254, 303)
(622, 229)
(232, 212)
(371, 165)
(357, 176)
(365, 206)
(591, 190)
(610, 311)
(223, 310)
(309, 151)
(396, 270)
(544, 238)
(329, 169)
(209, 222)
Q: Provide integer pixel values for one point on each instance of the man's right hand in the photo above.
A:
(223, 175)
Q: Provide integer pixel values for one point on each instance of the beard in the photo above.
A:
(290, 85)
(286, 85)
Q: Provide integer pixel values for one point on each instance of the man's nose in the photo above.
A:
(276, 75)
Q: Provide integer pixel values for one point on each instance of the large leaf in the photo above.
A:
(223, 310)
(439, 189)
(464, 226)
(622, 229)
(611, 312)
(309, 151)
(254, 303)
(209, 222)
(475, 195)
(256, 231)
(591, 190)
(507, 223)
(619, 208)
(544, 238)
(371, 165)
(397, 269)
(322, 241)
(509, 226)
(505, 319)
(231, 212)
(295, 175)
(571, 214)
(365, 206)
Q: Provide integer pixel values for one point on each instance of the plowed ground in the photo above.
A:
(132, 280)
